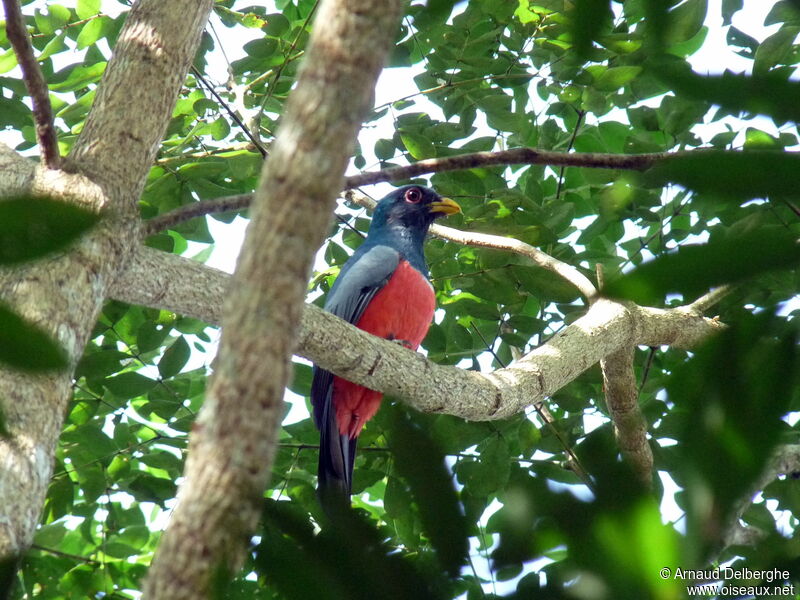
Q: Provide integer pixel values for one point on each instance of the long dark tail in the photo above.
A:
(337, 452)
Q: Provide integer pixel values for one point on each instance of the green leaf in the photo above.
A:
(54, 46)
(129, 385)
(101, 364)
(729, 7)
(740, 175)
(90, 33)
(421, 462)
(347, 559)
(77, 77)
(175, 358)
(57, 16)
(8, 60)
(87, 8)
(693, 269)
(774, 50)
(418, 146)
(26, 347)
(31, 227)
(685, 21)
(729, 425)
(616, 77)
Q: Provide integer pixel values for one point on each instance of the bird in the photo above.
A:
(383, 288)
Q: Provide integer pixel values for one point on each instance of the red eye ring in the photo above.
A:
(413, 196)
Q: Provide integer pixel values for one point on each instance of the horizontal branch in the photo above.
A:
(34, 81)
(515, 156)
(529, 156)
(193, 210)
(170, 282)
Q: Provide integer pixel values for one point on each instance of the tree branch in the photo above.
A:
(63, 293)
(630, 426)
(785, 461)
(34, 81)
(233, 440)
(195, 209)
(531, 156)
(134, 100)
(515, 156)
(706, 301)
(340, 347)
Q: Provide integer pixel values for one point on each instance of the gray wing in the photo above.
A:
(364, 274)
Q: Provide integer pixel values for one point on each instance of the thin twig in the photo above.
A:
(232, 114)
(34, 81)
(195, 209)
(793, 207)
(581, 114)
(77, 557)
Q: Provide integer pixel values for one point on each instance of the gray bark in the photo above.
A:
(64, 293)
(157, 279)
(232, 445)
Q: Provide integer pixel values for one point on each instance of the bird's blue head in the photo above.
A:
(402, 218)
(411, 208)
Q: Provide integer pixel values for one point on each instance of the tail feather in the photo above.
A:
(337, 454)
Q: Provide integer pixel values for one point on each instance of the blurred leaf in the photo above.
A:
(27, 347)
(774, 50)
(418, 146)
(421, 462)
(77, 77)
(729, 425)
(685, 20)
(748, 174)
(31, 227)
(298, 563)
(616, 77)
(90, 33)
(588, 19)
(692, 269)
(768, 94)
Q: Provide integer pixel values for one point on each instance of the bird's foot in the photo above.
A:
(403, 343)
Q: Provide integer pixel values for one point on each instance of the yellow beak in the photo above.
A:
(446, 206)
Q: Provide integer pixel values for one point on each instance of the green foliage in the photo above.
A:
(693, 269)
(445, 508)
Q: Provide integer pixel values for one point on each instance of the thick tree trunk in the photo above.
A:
(64, 293)
(232, 445)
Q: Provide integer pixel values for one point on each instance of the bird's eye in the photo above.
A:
(413, 196)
